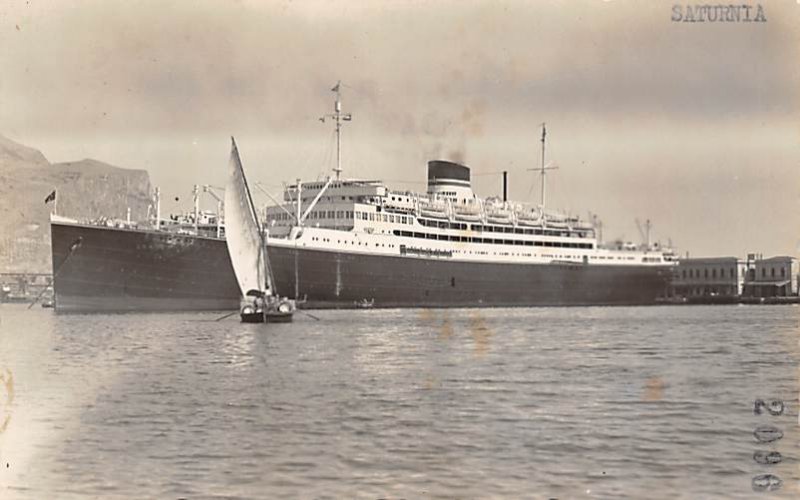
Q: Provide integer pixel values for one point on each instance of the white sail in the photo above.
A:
(242, 231)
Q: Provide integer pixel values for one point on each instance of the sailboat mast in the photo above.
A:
(267, 277)
(250, 203)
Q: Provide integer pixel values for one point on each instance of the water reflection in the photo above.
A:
(237, 346)
(511, 403)
(481, 334)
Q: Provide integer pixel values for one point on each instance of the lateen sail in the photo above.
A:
(242, 231)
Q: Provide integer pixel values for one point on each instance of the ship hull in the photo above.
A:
(334, 280)
(100, 269)
(128, 270)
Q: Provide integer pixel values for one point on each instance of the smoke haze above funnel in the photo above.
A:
(693, 126)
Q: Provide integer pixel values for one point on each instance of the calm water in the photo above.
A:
(513, 403)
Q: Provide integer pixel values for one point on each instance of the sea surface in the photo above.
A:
(605, 402)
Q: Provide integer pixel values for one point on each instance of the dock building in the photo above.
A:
(709, 277)
(772, 277)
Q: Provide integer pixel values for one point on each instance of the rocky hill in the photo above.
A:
(86, 189)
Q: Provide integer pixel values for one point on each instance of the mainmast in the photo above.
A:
(338, 117)
(544, 168)
(544, 134)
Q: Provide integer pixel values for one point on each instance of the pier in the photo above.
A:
(23, 287)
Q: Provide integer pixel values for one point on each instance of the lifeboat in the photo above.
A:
(467, 211)
(529, 218)
(498, 215)
(433, 209)
(558, 225)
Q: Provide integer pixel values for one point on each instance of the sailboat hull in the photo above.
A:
(271, 317)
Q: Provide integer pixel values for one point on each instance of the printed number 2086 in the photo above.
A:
(767, 434)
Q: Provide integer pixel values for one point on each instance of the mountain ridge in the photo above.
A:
(85, 189)
(14, 152)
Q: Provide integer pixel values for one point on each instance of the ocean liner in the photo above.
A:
(346, 242)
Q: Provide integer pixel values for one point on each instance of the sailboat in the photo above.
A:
(247, 247)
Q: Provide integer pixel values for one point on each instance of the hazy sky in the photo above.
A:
(692, 125)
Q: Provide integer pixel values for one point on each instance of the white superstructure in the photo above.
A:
(355, 216)
(447, 222)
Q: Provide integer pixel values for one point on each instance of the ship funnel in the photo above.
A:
(449, 180)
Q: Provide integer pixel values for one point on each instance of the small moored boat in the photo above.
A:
(364, 303)
(263, 308)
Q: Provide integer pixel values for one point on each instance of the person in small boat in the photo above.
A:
(259, 302)
(257, 299)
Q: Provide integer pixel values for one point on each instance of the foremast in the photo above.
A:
(338, 117)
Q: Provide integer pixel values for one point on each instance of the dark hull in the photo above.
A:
(259, 317)
(123, 270)
(331, 280)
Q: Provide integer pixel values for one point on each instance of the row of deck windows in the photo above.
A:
(471, 239)
(498, 229)
(442, 224)
(402, 219)
(315, 215)
(347, 214)
(398, 219)
(519, 230)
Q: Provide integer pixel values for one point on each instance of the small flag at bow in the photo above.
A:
(50, 197)
(75, 244)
